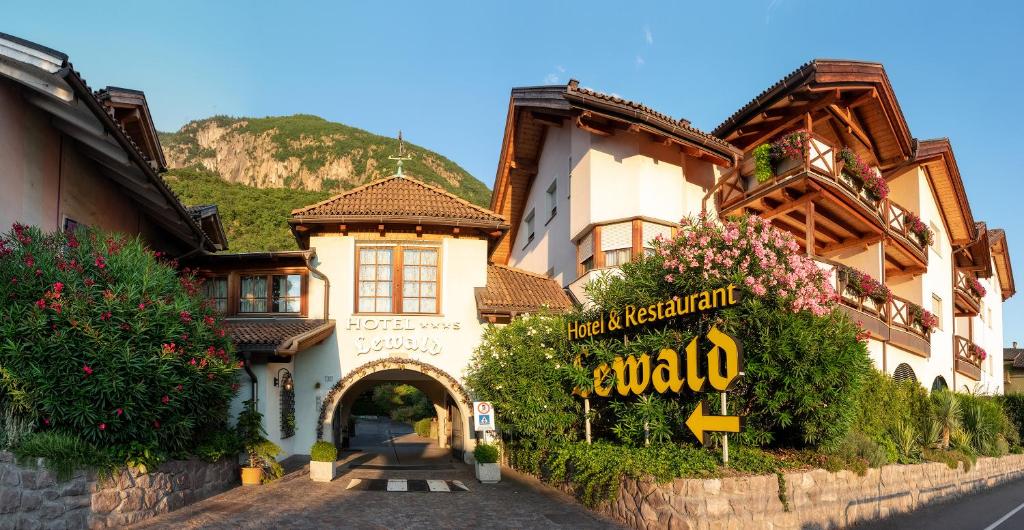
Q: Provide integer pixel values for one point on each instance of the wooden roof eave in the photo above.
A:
(398, 219)
(933, 152)
(721, 155)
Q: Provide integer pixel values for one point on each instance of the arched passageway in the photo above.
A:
(450, 402)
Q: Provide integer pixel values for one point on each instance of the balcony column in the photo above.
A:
(809, 235)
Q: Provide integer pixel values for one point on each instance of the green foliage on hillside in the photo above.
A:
(255, 219)
(316, 142)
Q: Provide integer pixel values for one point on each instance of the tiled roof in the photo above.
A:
(402, 197)
(511, 291)
(645, 112)
(270, 332)
(1013, 355)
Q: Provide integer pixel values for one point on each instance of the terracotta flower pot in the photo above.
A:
(252, 476)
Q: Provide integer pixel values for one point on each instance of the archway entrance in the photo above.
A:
(390, 442)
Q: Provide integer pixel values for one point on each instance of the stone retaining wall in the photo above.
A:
(816, 499)
(31, 497)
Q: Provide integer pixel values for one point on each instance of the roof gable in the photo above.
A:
(1001, 255)
(936, 156)
(399, 198)
(855, 93)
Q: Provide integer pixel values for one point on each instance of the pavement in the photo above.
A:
(997, 508)
(390, 453)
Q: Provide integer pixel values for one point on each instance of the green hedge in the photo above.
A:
(422, 427)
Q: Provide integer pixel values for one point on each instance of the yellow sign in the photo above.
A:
(701, 424)
(632, 316)
(669, 371)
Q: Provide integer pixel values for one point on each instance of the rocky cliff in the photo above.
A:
(306, 152)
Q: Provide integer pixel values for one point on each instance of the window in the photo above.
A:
(936, 242)
(553, 198)
(937, 310)
(398, 279)
(270, 293)
(287, 295)
(216, 291)
(617, 257)
(419, 280)
(253, 296)
(375, 280)
(529, 227)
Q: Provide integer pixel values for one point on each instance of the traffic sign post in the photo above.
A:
(483, 416)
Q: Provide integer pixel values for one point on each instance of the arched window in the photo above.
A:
(284, 380)
(939, 384)
(904, 373)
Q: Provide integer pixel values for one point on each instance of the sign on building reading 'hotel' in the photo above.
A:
(716, 369)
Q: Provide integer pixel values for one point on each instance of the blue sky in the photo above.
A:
(442, 71)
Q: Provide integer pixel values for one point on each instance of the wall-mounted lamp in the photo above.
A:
(286, 379)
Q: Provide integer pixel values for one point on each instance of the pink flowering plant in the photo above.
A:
(863, 175)
(861, 284)
(102, 341)
(799, 349)
(791, 145)
(922, 318)
(917, 227)
(976, 287)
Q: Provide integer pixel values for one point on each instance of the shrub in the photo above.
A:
(1013, 406)
(594, 471)
(518, 367)
(884, 405)
(63, 453)
(857, 445)
(486, 453)
(220, 444)
(102, 341)
(422, 427)
(988, 427)
(945, 410)
(323, 452)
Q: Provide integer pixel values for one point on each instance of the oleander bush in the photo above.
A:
(104, 342)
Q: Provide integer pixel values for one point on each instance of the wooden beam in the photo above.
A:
(380, 229)
(787, 207)
(548, 119)
(834, 249)
(524, 165)
(343, 229)
(301, 229)
(851, 126)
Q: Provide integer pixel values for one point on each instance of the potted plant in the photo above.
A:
(487, 469)
(323, 458)
(261, 453)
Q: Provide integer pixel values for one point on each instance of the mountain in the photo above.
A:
(255, 219)
(284, 162)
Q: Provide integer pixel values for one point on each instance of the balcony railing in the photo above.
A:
(968, 299)
(968, 359)
(821, 163)
(894, 311)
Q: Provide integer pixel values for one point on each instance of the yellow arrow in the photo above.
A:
(700, 423)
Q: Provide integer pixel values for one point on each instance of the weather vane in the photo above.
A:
(401, 154)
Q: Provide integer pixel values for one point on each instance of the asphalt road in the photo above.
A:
(998, 508)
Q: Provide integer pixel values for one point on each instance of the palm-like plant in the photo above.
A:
(946, 412)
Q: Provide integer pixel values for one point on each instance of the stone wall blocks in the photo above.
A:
(30, 500)
(712, 486)
(50, 510)
(10, 475)
(10, 500)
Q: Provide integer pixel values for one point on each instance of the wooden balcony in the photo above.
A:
(967, 301)
(967, 361)
(889, 320)
(825, 208)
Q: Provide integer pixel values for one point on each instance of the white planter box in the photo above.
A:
(322, 471)
(488, 473)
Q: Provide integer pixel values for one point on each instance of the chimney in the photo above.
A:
(1015, 345)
